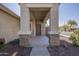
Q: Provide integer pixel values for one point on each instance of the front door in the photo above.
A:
(38, 29)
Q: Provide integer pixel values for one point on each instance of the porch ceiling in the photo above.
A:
(39, 13)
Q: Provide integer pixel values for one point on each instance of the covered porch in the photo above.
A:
(33, 22)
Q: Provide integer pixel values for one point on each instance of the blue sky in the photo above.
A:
(14, 7)
(66, 11)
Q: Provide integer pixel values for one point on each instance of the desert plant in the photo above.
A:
(75, 37)
(64, 28)
(2, 41)
(71, 23)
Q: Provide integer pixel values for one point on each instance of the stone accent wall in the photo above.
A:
(54, 40)
(24, 40)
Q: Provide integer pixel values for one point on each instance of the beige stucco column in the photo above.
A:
(43, 28)
(54, 31)
(24, 26)
(33, 25)
(33, 29)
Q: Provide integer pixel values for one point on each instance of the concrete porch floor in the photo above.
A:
(39, 41)
(39, 45)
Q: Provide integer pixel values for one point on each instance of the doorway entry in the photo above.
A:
(38, 29)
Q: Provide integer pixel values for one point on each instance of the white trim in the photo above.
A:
(37, 5)
(25, 33)
(53, 32)
(64, 35)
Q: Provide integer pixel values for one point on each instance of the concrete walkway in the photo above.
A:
(39, 45)
(39, 51)
(39, 41)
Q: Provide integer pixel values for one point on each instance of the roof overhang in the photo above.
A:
(2, 7)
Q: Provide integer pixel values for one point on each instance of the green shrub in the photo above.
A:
(2, 41)
(75, 37)
(1, 46)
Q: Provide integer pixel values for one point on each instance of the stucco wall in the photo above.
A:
(9, 26)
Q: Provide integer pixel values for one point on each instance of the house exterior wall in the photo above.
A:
(9, 26)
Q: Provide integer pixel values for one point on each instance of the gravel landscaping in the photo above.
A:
(65, 49)
(13, 48)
